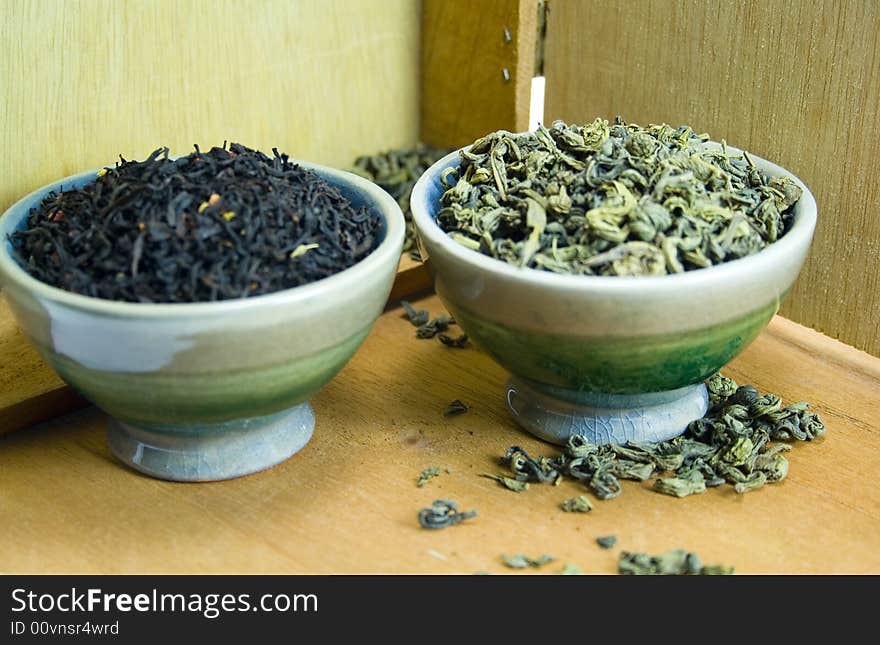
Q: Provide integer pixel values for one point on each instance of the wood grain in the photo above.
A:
(86, 81)
(465, 93)
(348, 502)
(30, 391)
(795, 82)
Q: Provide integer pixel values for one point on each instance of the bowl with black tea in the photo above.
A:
(201, 301)
(611, 268)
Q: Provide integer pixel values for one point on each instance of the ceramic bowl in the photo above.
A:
(614, 359)
(207, 391)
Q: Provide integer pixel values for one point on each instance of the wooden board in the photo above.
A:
(478, 60)
(31, 392)
(86, 81)
(795, 82)
(348, 502)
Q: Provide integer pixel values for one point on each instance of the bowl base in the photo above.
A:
(555, 414)
(210, 452)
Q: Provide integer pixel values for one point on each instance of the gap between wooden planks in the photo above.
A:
(347, 503)
(30, 392)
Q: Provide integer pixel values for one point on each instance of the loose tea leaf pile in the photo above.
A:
(428, 327)
(732, 443)
(396, 172)
(616, 199)
(216, 225)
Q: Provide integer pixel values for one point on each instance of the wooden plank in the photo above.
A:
(31, 392)
(793, 81)
(347, 503)
(85, 82)
(466, 91)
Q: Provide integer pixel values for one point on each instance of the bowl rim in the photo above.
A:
(391, 244)
(797, 238)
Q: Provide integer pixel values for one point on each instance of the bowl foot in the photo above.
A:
(554, 414)
(209, 452)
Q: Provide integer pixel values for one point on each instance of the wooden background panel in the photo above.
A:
(86, 81)
(794, 81)
(465, 52)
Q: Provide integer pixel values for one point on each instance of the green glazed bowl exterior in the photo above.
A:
(179, 365)
(610, 334)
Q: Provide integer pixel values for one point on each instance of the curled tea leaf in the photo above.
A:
(690, 483)
(528, 469)
(750, 483)
(579, 446)
(434, 326)
(417, 317)
(443, 513)
(605, 485)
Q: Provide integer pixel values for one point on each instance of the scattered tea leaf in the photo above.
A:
(527, 469)
(427, 475)
(677, 562)
(520, 561)
(579, 504)
(416, 317)
(435, 326)
(455, 408)
(732, 443)
(507, 482)
(571, 570)
(457, 343)
(716, 570)
(442, 513)
(607, 541)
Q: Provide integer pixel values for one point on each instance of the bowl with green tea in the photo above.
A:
(201, 301)
(611, 268)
